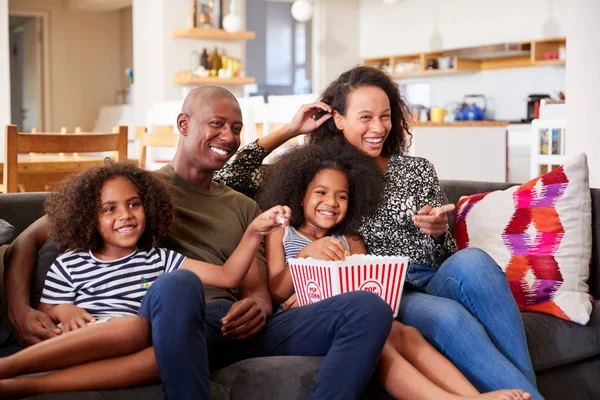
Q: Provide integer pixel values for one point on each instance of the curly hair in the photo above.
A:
(287, 180)
(337, 93)
(72, 207)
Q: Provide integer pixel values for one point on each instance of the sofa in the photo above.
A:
(565, 355)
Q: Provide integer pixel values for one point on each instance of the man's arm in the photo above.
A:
(249, 315)
(33, 326)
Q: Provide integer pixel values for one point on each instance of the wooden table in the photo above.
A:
(39, 172)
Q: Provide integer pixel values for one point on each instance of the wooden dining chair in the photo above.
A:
(163, 136)
(56, 143)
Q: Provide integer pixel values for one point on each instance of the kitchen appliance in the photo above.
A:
(470, 110)
(533, 106)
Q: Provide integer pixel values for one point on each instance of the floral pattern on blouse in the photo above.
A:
(410, 184)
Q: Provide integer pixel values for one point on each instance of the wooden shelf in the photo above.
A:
(473, 59)
(212, 80)
(215, 34)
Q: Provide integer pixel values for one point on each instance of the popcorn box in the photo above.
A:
(315, 280)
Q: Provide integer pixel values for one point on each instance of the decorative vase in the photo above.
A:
(232, 22)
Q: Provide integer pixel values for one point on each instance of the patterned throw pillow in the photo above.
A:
(540, 234)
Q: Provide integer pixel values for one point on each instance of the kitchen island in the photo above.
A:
(463, 150)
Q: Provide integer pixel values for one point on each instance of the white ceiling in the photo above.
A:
(97, 5)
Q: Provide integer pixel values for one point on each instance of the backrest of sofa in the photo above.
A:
(21, 209)
(454, 190)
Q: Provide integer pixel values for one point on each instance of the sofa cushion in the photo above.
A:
(275, 378)
(540, 233)
(46, 256)
(6, 232)
(553, 341)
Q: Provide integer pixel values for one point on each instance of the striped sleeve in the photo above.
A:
(171, 259)
(58, 286)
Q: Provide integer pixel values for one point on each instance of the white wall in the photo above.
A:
(422, 25)
(4, 74)
(335, 37)
(583, 83)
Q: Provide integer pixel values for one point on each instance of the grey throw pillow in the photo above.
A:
(6, 232)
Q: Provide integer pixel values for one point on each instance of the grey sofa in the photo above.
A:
(566, 356)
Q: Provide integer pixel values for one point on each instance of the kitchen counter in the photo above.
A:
(459, 124)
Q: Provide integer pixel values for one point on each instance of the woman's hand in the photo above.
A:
(292, 302)
(304, 121)
(271, 220)
(72, 317)
(326, 248)
(433, 221)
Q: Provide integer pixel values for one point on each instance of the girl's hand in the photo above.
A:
(72, 317)
(271, 220)
(292, 302)
(304, 121)
(433, 221)
(326, 248)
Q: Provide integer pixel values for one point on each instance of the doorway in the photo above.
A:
(28, 92)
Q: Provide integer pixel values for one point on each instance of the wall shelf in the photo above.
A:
(212, 80)
(473, 59)
(214, 34)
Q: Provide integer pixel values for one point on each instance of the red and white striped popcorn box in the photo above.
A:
(315, 280)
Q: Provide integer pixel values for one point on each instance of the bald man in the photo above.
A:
(198, 329)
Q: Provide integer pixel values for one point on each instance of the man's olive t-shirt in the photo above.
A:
(210, 224)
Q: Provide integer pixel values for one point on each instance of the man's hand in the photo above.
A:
(34, 326)
(433, 221)
(244, 319)
(72, 317)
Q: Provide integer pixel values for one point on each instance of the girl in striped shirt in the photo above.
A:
(330, 188)
(109, 220)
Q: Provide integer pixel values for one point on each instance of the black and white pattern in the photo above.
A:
(410, 184)
(107, 289)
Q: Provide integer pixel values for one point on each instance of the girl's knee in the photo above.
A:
(405, 336)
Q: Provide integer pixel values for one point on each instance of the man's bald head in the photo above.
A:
(202, 95)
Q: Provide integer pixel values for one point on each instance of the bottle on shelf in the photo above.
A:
(204, 60)
(216, 62)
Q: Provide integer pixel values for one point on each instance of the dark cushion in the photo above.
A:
(553, 341)
(22, 209)
(46, 257)
(6, 232)
(275, 378)
(150, 392)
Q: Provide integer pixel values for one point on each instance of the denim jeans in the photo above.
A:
(466, 310)
(349, 330)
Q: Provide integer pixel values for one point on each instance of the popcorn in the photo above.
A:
(315, 280)
(281, 220)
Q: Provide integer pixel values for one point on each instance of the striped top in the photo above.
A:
(294, 241)
(106, 289)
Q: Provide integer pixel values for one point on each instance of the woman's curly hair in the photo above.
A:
(337, 93)
(72, 207)
(287, 180)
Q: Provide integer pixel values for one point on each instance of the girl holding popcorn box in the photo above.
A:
(320, 254)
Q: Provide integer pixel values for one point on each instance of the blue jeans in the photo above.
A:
(349, 330)
(466, 310)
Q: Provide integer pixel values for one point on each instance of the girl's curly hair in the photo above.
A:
(72, 207)
(337, 93)
(287, 180)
